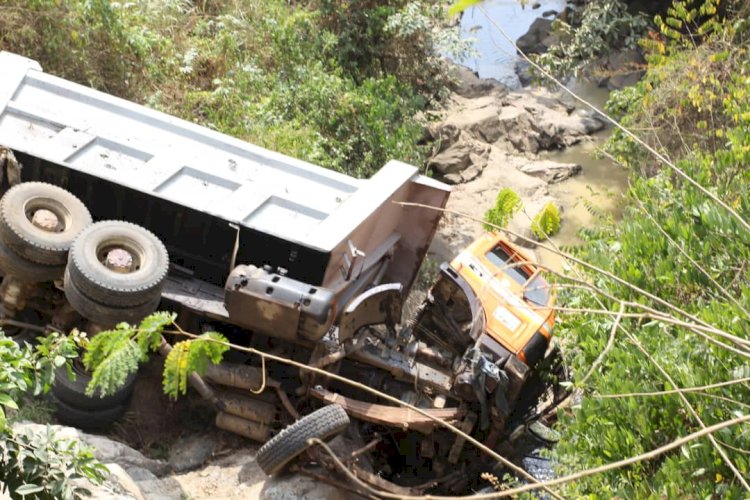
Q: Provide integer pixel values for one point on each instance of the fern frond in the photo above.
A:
(113, 371)
(192, 356)
(507, 204)
(176, 369)
(150, 330)
(104, 344)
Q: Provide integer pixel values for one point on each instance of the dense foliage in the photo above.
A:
(38, 464)
(335, 83)
(678, 244)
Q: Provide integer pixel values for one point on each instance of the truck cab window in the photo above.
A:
(502, 260)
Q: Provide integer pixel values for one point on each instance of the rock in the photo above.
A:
(470, 85)
(551, 171)
(125, 481)
(518, 130)
(549, 13)
(294, 487)
(524, 73)
(458, 156)
(535, 5)
(105, 450)
(193, 451)
(132, 475)
(478, 117)
(444, 135)
(626, 68)
(538, 38)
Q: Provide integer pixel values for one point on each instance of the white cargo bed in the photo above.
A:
(108, 138)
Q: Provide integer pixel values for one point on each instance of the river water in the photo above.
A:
(600, 182)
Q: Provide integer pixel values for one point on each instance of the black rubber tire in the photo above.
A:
(73, 392)
(27, 240)
(23, 336)
(86, 419)
(20, 335)
(104, 315)
(292, 441)
(26, 271)
(110, 288)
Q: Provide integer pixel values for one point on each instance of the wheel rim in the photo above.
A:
(47, 214)
(120, 256)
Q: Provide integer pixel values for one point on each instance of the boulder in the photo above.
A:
(626, 68)
(132, 475)
(444, 135)
(469, 85)
(549, 13)
(550, 171)
(193, 451)
(518, 130)
(459, 156)
(524, 73)
(538, 38)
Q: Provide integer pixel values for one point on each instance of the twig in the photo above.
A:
(649, 455)
(675, 391)
(607, 348)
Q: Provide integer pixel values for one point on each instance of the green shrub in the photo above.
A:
(676, 243)
(507, 204)
(547, 222)
(38, 464)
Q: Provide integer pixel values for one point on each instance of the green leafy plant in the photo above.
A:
(506, 205)
(674, 243)
(39, 464)
(112, 355)
(604, 26)
(547, 222)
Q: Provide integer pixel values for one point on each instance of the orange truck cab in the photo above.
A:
(516, 299)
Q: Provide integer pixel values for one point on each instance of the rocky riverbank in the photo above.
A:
(489, 137)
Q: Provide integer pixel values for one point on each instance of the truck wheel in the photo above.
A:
(102, 314)
(24, 270)
(86, 419)
(118, 264)
(73, 392)
(39, 222)
(292, 441)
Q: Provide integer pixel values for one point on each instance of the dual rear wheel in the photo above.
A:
(112, 271)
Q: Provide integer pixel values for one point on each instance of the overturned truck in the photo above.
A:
(111, 211)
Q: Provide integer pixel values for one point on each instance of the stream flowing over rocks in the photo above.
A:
(488, 138)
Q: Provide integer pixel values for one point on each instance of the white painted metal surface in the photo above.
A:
(110, 138)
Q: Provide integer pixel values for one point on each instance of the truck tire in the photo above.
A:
(110, 288)
(86, 419)
(12, 264)
(292, 441)
(49, 247)
(73, 392)
(102, 314)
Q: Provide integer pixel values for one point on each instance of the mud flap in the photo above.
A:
(378, 305)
